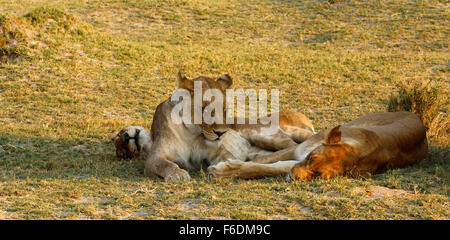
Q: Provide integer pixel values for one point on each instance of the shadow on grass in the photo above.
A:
(42, 158)
(431, 175)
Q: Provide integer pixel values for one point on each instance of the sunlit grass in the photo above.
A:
(97, 66)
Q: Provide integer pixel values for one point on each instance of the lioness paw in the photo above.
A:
(178, 175)
(229, 168)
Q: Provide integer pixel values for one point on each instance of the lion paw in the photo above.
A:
(230, 168)
(178, 175)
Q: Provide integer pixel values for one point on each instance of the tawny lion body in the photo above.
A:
(136, 141)
(367, 145)
(174, 148)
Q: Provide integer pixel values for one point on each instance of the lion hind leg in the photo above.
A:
(248, 170)
(273, 142)
(256, 152)
(297, 134)
(282, 155)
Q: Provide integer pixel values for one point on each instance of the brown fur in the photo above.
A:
(378, 142)
(175, 148)
(289, 132)
(122, 149)
(127, 149)
(365, 146)
(179, 147)
(293, 118)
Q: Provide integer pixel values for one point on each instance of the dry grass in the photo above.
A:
(13, 39)
(93, 67)
(427, 102)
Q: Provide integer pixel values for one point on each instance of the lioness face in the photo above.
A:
(327, 160)
(210, 131)
(213, 132)
(129, 141)
(221, 84)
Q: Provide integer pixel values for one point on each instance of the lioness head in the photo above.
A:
(130, 141)
(217, 87)
(213, 132)
(331, 155)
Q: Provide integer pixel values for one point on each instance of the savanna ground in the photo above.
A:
(71, 72)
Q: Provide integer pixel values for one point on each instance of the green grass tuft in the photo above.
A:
(335, 1)
(42, 15)
(13, 39)
(428, 103)
(424, 101)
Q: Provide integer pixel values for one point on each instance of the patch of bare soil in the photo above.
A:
(90, 200)
(379, 192)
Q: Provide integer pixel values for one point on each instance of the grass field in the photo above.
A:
(71, 72)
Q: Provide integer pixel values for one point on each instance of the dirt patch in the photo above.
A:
(7, 215)
(305, 210)
(140, 214)
(82, 147)
(60, 214)
(379, 192)
(189, 204)
(90, 200)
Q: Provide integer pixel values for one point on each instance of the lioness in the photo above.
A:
(364, 146)
(135, 141)
(173, 148)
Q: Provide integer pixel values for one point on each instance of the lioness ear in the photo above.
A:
(225, 81)
(334, 136)
(184, 82)
(113, 136)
